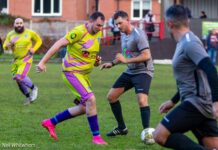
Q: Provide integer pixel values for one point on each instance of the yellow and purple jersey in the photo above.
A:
(22, 44)
(82, 50)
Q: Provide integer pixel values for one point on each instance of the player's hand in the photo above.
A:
(121, 58)
(40, 67)
(98, 61)
(31, 52)
(14, 40)
(106, 65)
(10, 44)
(215, 109)
(166, 106)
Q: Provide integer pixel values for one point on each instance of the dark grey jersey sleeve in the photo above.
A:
(142, 41)
(176, 97)
(207, 66)
(195, 51)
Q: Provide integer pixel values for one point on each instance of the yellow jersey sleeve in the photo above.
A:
(38, 41)
(7, 40)
(74, 35)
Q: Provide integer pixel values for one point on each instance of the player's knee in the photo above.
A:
(91, 106)
(92, 99)
(111, 97)
(159, 138)
(142, 99)
(210, 143)
(18, 78)
(143, 103)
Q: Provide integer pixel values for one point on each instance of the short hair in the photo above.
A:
(120, 13)
(178, 14)
(97, 14)
(203, 12)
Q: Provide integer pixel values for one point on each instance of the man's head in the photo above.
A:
(122, 21)
(177, 17)
(97, 21)
(19, 25)
(150, 12)
(203, 12)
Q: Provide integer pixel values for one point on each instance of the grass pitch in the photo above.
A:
(20, 125)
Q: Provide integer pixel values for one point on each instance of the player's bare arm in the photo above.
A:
(60, 43)
(109, 64)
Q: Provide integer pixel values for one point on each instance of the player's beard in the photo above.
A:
(19, 29)
(93, 30)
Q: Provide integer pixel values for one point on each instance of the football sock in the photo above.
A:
(179, 141)
(117, 111)
(26, 81)
(93, 124)
(27, 95)
(61, 117)
(32, 87)
(23, 88)
(145, 116)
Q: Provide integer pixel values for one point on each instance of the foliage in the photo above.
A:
(8, 20)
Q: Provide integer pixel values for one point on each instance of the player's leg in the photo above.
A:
(77, 110)
(169, 133)
(142, 84)
(122, 84)
(211, 142)
(21, 76)
(80, 86)
(69, 113)
(23, 88)
(91, 112)
(207, 133)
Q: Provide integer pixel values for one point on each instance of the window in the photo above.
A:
(136, 9)
(46, 7)
(140, 8)
(4, 6)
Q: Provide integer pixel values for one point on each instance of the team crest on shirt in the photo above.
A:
(85, 54)
(73, 35)
(126, 53)
(26, 36)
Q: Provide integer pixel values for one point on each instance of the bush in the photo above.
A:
(6, 19)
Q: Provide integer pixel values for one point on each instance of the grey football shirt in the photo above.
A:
(191, 81)
(132, 45)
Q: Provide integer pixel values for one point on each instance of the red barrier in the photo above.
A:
(161, 30)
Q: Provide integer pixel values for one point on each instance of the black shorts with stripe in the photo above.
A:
(141, 82)
(185, 117)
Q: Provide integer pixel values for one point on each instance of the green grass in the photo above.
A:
(37, 57)
(21, 124)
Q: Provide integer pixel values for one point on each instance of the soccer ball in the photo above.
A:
(147, 137)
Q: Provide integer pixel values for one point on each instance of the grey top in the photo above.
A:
(132, 45)
(191, 81)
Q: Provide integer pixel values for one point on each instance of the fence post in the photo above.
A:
(161, 30)
(31, 25)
